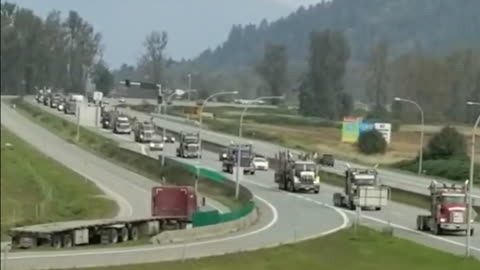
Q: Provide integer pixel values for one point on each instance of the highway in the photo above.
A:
(405, 181)
(401, 217)
(284, 217)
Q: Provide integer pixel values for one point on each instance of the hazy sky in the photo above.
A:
(192, 25)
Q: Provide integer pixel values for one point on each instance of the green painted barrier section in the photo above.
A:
(212, 217)
(205, 218)
(236, 214)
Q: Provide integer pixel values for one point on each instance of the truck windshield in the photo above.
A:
(191, 140)
(305, 167)
(148, 128)
(453, 199)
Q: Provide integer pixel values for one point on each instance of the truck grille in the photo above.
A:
(457, 217)
(306, 180)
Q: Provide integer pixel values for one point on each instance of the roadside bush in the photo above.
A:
(372, 142)
(447, 144)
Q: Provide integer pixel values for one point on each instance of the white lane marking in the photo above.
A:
(144, 249)
(367, 217)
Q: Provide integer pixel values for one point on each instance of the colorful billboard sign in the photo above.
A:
(350, 129)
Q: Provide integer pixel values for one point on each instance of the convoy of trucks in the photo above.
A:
(246, 158)
(143, 132)
(448, 210)
(296, 174)
(189, 145)
(362, 188)
(172, 208)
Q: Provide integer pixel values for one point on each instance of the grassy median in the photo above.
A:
(110, 150)
(366, 250)
(37, 189)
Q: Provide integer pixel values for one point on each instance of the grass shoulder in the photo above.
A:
(365, 250)
(37, 189)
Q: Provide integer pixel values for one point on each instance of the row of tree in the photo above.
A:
(52, 52)
(441, 85)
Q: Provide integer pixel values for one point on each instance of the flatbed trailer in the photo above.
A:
(101, 231)
(172, 208)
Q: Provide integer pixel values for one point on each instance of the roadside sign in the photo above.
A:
(97, 96)
(350, 129)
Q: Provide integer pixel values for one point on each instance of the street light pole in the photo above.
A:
(470, 182)
(201, 118)
(189, 85)
(420, 160)
(248, 105)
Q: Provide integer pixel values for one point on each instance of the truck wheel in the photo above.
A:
(124, 234)
(67, 240)
(316, 191)
(56, 241)
(378, 208)
(134, 233)
(352, 206)
(472, 232)
(290, 186)
(252, 172)
(419, 223)
(113, 236)
(437, 230)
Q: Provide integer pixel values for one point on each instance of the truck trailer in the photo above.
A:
(172, 208)
(448, 210)
(362, 189)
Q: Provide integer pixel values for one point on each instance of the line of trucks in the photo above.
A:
(172, 208)
(56, 100)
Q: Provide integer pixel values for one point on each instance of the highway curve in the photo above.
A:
(402, 217)
(284, 217)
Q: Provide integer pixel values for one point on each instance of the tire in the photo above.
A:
(67, 241)
(472, 232)
(56, 241)
(437, 230)
(419, 223)
(134, 233)
(113, 236)
(290, 186)
(316, 191)
(124, 234)
(252, 173)
(378, 208)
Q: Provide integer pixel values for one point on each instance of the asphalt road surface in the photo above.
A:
(405, 181)
(284, 217)
(401, 217)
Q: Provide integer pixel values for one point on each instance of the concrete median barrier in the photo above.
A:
(211, 231)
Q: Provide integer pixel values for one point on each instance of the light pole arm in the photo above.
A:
(248, 106)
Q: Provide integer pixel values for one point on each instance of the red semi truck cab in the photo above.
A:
(174, 201)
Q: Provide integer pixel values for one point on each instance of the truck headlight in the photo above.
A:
(317, 180)
(141, 136)
(443, 219)
(152, 144)
(296, 180)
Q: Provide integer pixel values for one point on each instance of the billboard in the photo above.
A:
(385, 129)
(350, 129)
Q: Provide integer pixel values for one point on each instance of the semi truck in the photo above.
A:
(296, 174)
(172, 208)
(246, 158)
(143, 131)
(189, 145)
(121, 124)
(448, 210)
(362, 188)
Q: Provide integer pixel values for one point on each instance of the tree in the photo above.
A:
(153, 58)
(83, 46)
(447, 144)
(103, 78)
(323, 85)
(378, 75)
(273, 69)
(372, 142)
